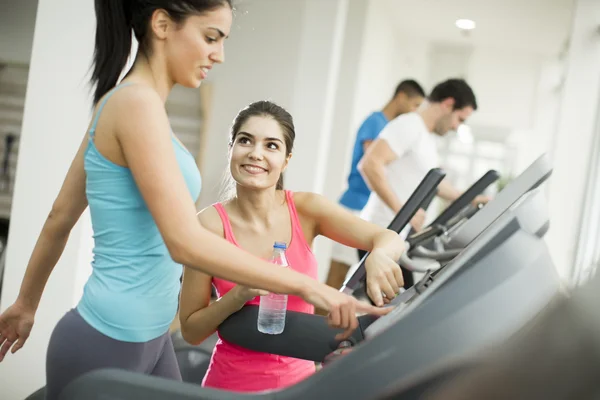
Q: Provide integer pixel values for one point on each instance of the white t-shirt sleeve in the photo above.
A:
(402, 134)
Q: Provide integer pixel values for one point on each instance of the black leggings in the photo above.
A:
(409, 280)
(77, 348)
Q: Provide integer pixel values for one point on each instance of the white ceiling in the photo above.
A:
(541, 26)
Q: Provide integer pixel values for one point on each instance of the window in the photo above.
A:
(466, 157)
(587, 258)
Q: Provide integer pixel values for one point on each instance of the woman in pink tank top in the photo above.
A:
(258, 213)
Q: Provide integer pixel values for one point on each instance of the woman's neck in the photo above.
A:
(256, 206)
(152, 73)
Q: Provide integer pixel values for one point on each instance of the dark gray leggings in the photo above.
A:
(76, 348)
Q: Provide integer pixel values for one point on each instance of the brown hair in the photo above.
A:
(261, 108)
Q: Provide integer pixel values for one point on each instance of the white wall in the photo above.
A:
(57, 111)
(343, 130)
(314, 102)
(579, 111)
(315, 86)
(17, 21)
(539, 139)
(375, 80)
(411, 60)
(504, 82)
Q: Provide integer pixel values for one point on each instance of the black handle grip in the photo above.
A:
(467, 197)
(455, 211)
(424, 191)
(425, 235)
(306, 336)
(424, 206)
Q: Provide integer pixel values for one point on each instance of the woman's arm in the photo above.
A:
(386, 246)
(17, 320)
(141, 128)
(66, 211)
(198, 317)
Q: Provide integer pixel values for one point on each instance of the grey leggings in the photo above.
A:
(76, 348)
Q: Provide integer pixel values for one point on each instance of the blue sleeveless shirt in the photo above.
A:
(133, 292)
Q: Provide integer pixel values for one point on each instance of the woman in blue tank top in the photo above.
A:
(141, 185)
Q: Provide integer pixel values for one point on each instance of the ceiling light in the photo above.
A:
(465, 24)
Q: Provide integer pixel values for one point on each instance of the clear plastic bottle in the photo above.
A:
(272, 309)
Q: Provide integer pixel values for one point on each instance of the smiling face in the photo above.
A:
(259, 153)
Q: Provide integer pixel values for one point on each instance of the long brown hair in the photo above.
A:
(261, 108)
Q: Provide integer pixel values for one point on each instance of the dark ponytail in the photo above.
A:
(113, 44)
(115, 22)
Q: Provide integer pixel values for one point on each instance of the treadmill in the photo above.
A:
(419, 244)
(499, 281)
(555, 356)
(309, 336)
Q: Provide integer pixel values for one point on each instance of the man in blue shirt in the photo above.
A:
(408, 96)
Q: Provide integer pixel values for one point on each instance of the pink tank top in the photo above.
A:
(235, 368)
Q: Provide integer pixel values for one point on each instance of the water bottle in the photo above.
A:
(271, 312)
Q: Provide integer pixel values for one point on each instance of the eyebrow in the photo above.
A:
(269, 139)
(220, 32)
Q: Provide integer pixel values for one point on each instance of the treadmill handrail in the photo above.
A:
(415, 264)
(467, 197)
(417, 198)
(425, 236)
(460, 209)
(444, 255)
(409, 209)
(424, 206)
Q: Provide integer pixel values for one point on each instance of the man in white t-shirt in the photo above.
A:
(406, 150)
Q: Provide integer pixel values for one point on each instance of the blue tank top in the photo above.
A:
(132, 293)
